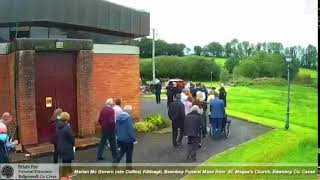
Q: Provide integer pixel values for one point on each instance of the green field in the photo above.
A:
(220, 61)
(267, 105)
(312, 73)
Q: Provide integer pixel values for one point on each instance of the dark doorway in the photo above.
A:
(55, 79)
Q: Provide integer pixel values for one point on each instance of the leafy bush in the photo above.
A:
(231, 63)
(151, 123)
(269, 81)
(303, 79)
(190, 67)
(264, 64)
(224, 76)
(240, 81)
(247, 68)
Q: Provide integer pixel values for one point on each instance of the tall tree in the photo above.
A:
(197, 50)
(145, 45)
(311, 56)
(234, 47)
(245, 46)
(228, 49)
(216, 49)
(275, 47)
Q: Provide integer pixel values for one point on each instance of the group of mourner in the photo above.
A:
(116, 128)
(187, 110)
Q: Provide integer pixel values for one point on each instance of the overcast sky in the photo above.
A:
(199, 22)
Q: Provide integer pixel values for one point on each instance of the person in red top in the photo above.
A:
(107, 123)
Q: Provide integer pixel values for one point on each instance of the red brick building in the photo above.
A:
(39, 74)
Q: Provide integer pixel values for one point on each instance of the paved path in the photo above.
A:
(157, 148)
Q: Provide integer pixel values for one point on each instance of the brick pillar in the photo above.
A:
(25, 94)
(86, 123)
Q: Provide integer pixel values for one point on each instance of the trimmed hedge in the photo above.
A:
(263, 64)
(151, 123)
(188, 68)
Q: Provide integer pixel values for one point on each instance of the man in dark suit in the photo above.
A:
(192, 128)
(157, 91)
(176, 114)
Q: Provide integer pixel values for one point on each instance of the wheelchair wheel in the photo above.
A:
(227, 130)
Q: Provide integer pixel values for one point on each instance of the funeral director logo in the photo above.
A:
(7, 171)
(29, 171)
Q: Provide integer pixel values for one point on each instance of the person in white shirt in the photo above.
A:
(184, 95)
(117, 107)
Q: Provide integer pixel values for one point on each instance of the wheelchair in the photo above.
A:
(225, 130)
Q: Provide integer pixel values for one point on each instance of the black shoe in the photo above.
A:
(199, 145)
(100, 158)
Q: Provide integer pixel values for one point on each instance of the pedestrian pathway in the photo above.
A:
(157, 147)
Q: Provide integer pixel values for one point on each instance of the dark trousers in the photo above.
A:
(158, 99)
(125, 148)
(110, 136)
(216, 124)
(66, 169)
(204, 124)
(193, 147)
(55, 153)
(175, 135)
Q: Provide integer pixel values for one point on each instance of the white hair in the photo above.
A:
(195, 108)
(186, 90)
(109, 102)
(127, 108)
(200, 96)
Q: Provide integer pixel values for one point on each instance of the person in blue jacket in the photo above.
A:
(217, 112)
(125, 134)
(5, 144)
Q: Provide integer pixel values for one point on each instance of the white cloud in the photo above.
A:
(291, 22)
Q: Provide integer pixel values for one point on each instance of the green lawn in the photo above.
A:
(312, 73)
(220, 61)
(267, 105)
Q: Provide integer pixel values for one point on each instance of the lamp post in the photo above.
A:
(153, 54)
(288, 59)
(211, 78)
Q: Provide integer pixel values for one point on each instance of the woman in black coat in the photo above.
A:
(223, 96)
(65, 139)
(53, 132)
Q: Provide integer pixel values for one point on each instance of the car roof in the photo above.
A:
(175, 80)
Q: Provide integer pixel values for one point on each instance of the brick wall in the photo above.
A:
(26, 108)
(86, 123)
(115, 76)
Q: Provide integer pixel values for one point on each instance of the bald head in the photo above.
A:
(6, 117)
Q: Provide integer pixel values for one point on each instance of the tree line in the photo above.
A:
(162, 48)
(306, 57)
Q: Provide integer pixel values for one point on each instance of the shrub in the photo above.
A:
(240, 81)
(270, 81)
(231, 63)
(190, 67)
(264, 64)
(151, 123)
(303, 79)
(224, 76)
(247, 68)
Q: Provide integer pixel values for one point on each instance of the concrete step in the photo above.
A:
(46, 149)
